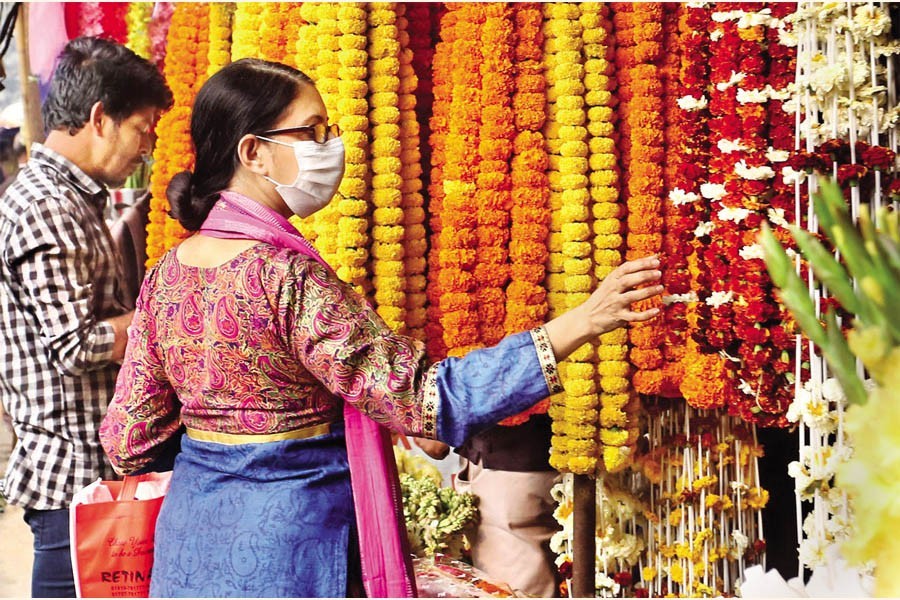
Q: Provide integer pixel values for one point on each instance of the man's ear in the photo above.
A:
(248, 151)
(97, 118)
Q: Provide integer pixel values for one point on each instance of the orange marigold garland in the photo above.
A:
(459, 215)
(187, 48)
(570, 276)
(415, 243)
(526, 299)
(640, 36)
(387, 230)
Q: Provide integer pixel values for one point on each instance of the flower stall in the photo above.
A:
(502, 158)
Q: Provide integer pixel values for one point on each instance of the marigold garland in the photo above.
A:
(569, 280)
(439, 125)
(137, 21)
(220, 19)
(278, 32)
(187, 48)
(387, 230)
(526, 299)
(458, 238)
(415, 243)
(246, 37)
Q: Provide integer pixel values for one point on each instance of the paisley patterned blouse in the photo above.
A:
(271, 342)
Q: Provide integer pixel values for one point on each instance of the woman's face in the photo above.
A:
(307, 109)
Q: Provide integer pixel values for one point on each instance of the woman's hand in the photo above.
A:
(609, 307)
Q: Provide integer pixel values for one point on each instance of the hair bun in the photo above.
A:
(180, 194)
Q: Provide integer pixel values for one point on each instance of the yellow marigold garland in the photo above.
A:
(387, 229)
(618, 416)
(220, 17)
(458, 241)
(415, 243)
(246, 38)
(526, 299)
(570, 279)
(137, 20)
(187, 48)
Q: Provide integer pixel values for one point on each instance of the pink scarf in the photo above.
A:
(384, 549)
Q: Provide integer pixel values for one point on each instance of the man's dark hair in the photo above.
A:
(93, 69)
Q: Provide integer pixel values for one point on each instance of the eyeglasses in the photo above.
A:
(319, 133)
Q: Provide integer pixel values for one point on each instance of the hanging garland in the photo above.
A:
(526, 299)
(137, 21)
(187, 48)
(160, 20)
(246, 39)
(220, 19)
(574, 412)
(415, 242)
(387, 231)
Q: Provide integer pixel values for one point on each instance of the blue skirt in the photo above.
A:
(256, 520)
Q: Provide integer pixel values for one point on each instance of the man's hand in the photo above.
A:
(433, 448)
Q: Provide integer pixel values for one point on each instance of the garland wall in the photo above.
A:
(502, 158)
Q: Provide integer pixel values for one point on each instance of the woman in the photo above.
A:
(243, 335)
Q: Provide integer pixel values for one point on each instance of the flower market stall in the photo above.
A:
(502, 158)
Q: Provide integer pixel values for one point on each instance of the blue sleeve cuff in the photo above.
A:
(475, 392)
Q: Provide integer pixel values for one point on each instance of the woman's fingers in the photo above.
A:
(644, 315)
(631, 280)
(641, 294)
(639, 264)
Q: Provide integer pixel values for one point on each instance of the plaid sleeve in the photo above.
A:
(48, 255)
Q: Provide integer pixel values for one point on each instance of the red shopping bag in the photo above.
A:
(112, 535)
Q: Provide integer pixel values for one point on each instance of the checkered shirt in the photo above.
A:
(59, 278)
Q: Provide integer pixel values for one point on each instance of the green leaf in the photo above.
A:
(827, 269)
(842, 361)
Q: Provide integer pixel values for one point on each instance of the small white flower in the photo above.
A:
(733, 214)
(724, 16)
(717, 299)
(741, 542)
(695, 4)
(713, 191)
(812, 552)
(788, 37)
(754, 173)
(716, 35)
(752, 96)
(727, 146)
(735, 79)
(774, 155)
(776, 217)
(691, 103)
(780, 94)
(746, 388)
(869, 21)
(673, 298)
(832, 391)
(752, 251)
(791, 176)
(704, 228)
(604, 582)
(825, 78)
(678, 197)
(752, 19)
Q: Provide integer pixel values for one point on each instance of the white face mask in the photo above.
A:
(320, 168)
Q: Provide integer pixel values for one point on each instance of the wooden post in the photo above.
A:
(32, 124)
(584, 543)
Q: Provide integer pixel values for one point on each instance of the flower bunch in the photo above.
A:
(387, 229)
(90, 18)
(160, 20)
(570, 277)
(279, 24)
(439, 127)
(137, 21)
(113, 23)
(618, 413)
(493, 196)
(246, 39)
(220, 18)
(638, 56)
(354, 119)
(526, 299)
(415, 243)
(187, 48)
(459, 214)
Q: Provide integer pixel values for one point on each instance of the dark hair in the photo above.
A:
(246, 96)
(92, 69)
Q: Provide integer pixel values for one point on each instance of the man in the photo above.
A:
(62, 316)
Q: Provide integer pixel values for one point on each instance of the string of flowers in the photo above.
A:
(90, 18)
(415, 243)
(574, 412)
(160, 20)
(458, 241)
(137, 21)
(618, 411)
(277, 32)
(220, 18)
(526, 299)
(638, 55)
(112, 23)
(387, 230)
(306, 52)
(246, 38)
(493, 184)
(188, 42)
(439, 125)
(354, 120)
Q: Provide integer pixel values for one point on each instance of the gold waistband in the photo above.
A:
(233, 439)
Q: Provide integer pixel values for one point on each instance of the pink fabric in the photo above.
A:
(46, 36)
(386, 565)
